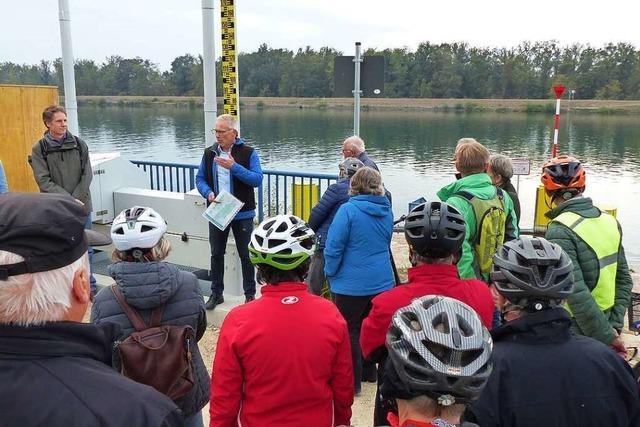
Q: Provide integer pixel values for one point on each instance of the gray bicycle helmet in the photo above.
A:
(533, 273)
(434, 230)
(439, 348)
(349, 166)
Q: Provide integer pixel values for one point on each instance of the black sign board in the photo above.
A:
(371, 76)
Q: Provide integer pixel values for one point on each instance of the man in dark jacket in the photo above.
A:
(593, 240)
(60, 163)
(54, 369)
(233, 166)
(354, 147)
(543, 374)
(501, 171)
(321, 217)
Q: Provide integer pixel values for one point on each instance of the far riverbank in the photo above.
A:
(389, 104)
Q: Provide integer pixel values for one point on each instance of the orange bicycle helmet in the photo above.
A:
(563, 173)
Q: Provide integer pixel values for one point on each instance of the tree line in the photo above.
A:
(445, 70)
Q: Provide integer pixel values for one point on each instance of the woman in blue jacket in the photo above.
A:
(357, 261)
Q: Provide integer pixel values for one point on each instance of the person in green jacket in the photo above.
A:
(593, 240)
(487, 210)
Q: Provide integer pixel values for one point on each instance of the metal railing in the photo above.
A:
(280, 191)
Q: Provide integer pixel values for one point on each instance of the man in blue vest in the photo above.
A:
(593, 240)
(234, 166)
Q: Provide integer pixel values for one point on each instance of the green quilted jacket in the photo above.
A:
(588, 319)
(479, 185)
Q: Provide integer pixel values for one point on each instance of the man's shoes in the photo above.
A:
(249, 299)
(213, 301)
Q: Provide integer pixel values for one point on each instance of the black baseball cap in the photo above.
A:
(47, 230)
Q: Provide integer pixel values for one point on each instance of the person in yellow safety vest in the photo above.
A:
(593, 240)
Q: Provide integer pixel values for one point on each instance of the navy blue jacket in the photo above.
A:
(356, 256)
(146, 286)
(545, 376)
(322, 214)
(58, 374)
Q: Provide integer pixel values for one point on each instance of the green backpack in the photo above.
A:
(489, 234)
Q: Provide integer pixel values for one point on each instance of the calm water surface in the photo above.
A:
(414, 150)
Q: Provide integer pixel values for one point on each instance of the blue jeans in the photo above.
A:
(194, 420)
(242, 229)
(92, 280)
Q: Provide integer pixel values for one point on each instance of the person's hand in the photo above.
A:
(225, 163)
(618, 346)
(211, 197)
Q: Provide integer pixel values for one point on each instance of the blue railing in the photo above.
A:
(280, 191)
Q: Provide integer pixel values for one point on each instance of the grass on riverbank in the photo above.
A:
(415, 104)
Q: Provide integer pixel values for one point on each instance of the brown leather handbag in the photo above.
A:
(156, 355)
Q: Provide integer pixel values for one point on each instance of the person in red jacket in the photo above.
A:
(435, 233)
(284, 359)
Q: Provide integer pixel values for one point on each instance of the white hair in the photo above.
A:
(354, 143)
(231, 121)
(35, 298)
(501, 165)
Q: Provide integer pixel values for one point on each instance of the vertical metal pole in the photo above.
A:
(209, 71)
(68, 73)
(356, 91)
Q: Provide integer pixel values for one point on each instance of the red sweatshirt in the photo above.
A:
(282, 360)
(426, 279)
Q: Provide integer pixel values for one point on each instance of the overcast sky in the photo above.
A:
(160, 30)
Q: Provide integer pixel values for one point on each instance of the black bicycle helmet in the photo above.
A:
(533, 273)
(349, 166)
(439, 348)
(434, 230)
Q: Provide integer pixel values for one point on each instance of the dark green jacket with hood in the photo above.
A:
(63, 168)
(588, 319)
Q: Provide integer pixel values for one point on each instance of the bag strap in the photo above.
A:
(133, 316)
(156, 316)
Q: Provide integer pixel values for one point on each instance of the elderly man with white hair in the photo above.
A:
(54, 369)
(354, 147)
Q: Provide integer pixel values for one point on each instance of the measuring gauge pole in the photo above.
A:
(230, 91)
(559, 90)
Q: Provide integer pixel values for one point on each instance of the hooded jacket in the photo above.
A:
(58, 374)
(64, 168)
(588, 319)
(543, 375)
(478, 184)
(356, 254)
(146, 286)
(282, 360)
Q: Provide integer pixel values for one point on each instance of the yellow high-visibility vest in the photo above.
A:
(602, 235)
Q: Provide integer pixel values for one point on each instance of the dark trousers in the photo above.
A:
(218, 240)
(315, 277)
(354, 309)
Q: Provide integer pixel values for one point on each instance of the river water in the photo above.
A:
(414, 150)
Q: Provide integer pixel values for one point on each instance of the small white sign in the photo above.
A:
(521, 166)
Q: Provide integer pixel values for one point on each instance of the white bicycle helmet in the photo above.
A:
(137, 227)
(283, 242)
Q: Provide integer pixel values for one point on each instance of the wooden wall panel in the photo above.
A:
(20, 127)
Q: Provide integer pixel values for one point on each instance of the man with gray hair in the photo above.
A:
(354, 147)
(230, 165)
(501, 170)
(54, 369)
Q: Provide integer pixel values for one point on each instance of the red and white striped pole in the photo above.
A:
(559, 90)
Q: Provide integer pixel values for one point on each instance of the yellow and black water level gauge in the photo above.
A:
(229, 59)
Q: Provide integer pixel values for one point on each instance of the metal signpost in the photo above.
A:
(559, 90)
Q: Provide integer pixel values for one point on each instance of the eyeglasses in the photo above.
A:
(215, 131)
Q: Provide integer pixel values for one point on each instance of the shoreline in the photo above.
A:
(380, 104)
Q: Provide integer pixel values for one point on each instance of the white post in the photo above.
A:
(356, 91)
(209, 71)
(68, 72)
